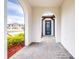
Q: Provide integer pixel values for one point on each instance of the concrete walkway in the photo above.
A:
(43, 51)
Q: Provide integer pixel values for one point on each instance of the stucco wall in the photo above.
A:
(68, 26)
(37, 20)
(28, 20)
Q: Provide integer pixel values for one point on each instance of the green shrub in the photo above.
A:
(10, 40)
(16, 39)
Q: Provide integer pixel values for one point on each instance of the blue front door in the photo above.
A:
(48, 27)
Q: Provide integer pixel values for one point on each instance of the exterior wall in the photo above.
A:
(37, 20)
(28, 20)
(68, 25)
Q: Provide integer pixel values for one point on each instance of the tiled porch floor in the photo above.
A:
(43, 51)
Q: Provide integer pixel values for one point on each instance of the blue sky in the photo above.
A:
(15, 12)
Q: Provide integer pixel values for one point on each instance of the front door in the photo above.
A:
(48, 27)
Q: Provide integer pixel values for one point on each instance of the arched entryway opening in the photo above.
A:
(15, 27)
(48, 24)
(26, 8)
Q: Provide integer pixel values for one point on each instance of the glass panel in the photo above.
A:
(48, 27)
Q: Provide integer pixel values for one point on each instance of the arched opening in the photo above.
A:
(15, 27)
(26, 20)
(48, 24)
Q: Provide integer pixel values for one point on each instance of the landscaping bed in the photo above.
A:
(13, 49)
(15, 43)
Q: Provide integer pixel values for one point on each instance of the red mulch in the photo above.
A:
(12, 50)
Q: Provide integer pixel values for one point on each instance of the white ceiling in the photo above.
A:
(45, 3)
